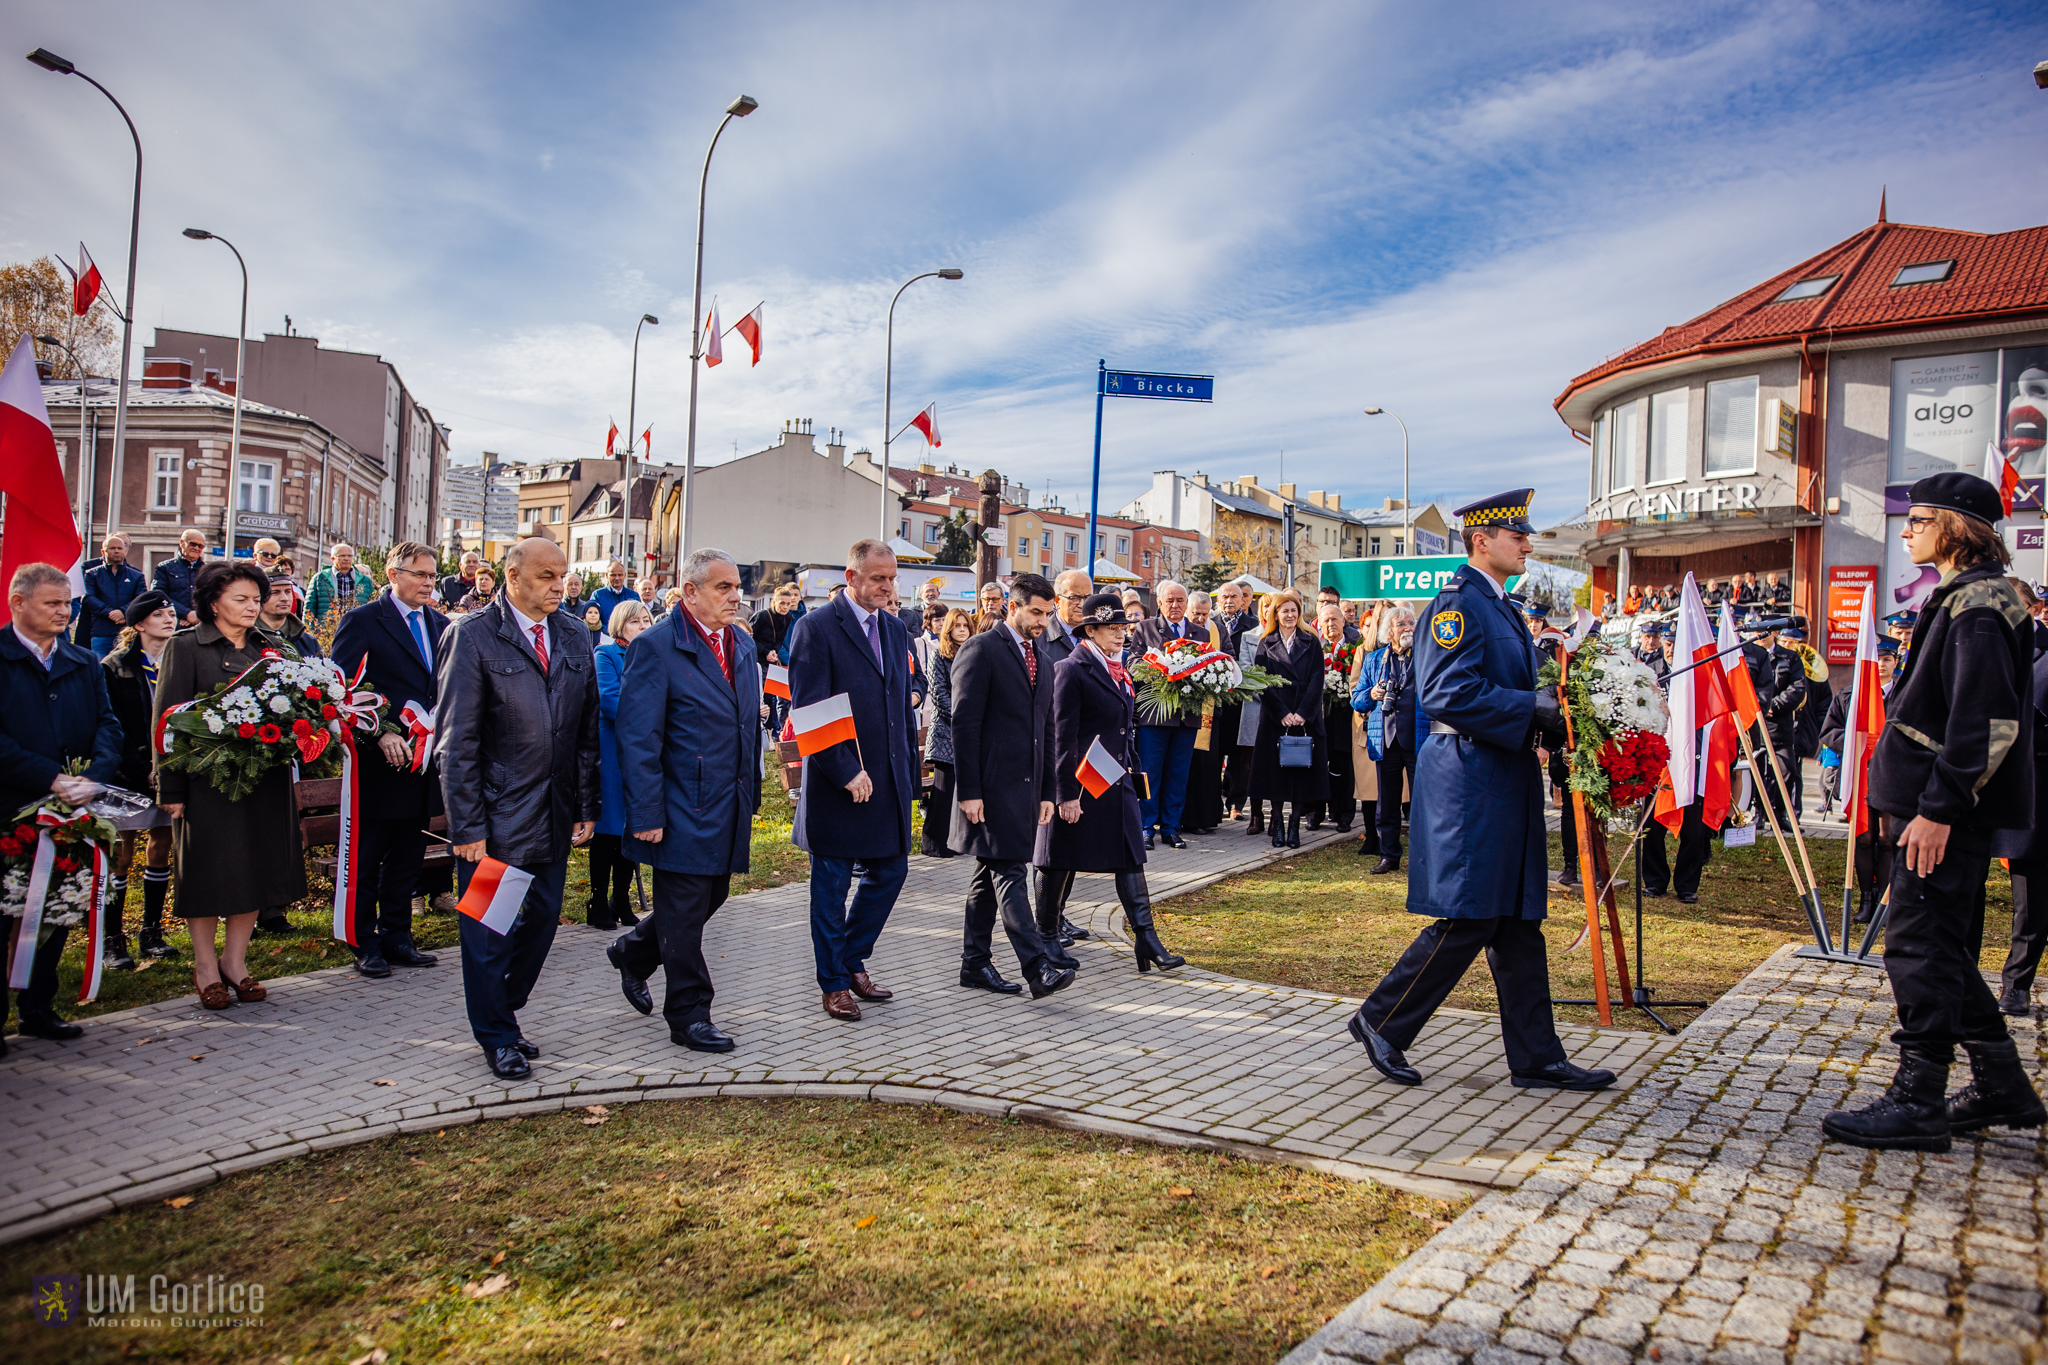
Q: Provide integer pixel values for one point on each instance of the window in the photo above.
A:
(255, 485)
(1731, 426)
(1073, 544)
(1622, 423)
(169, 466)
(1927, 272)
(1045, 540)
(1668, 412)
(1148, 559)
(1373, 547)
(1807, 289)
(931, 533)
(1101, 539)
(1400, 546)
(1599, 460)
(903, 528)
(1123, 547)
(555, 513)
(1023, 547)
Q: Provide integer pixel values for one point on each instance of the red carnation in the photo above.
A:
(328, 712)
(1634, 764)
(246, 730)
(302, 726)
(66, 865)
(315, 693)
(9, 847)
(270, 734)
(24, 832)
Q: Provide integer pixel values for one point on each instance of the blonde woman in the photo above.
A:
(1292, 707)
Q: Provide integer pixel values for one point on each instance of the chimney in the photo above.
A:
(1319, 497)
(1336, 502)
(1392, 505)
(836, 447)
(165, 372)
(1250, 479)
(1287, 492)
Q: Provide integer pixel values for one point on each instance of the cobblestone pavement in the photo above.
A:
(1702, 1218)
(166, 1097)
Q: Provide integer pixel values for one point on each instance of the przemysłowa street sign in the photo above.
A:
(1413, 578)
(1184, 388)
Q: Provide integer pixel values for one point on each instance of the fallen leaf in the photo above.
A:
(145, 964)
(498, 1259)
(494, 1285)
(866, 1222)
(1269, 1272)
(617, 1323)
(140, 1041)
(917, 1312)
(455, 1199)
(180, 1202)
(337, 1199)
(595, 1109)
(383, 1082)
(1180, 1191)
(596, 1119)
(417, 1162)
(198, 1057)
(478, 1160)
(377, 1356)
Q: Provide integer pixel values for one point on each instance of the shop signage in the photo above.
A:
(1722, 495)
(1846, 585)
(1781, 428)
(264, 523)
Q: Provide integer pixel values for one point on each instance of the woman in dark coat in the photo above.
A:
(131, 669)
(232, 858)
(1342, 806)
(1092, 699)
(1293, 706)
(956, 630)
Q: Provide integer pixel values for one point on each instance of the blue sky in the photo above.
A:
(1447, 211)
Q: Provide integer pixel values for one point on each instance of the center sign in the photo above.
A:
(1410, 578)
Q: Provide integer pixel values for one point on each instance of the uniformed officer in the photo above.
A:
(1477, 855)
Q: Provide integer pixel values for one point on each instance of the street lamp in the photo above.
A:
(84, 467)
(632, 425)
(50, 61)
(739, 108)
(241, 380)
(888, 378)
(1407, 530)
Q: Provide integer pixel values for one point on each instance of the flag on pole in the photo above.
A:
(41, 527)
(1741, 687)
(611, 438)
(749, 328)
(1697, 696)
(822, 724)
(85, 281)
(647, 440)
(714, 344)
(2002, 474)
(1098, 771)
(495, 894)
(928, 423)
(776, 683)
(1866, 720)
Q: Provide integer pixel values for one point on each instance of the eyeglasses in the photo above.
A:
(415, 573)
(1915, 523)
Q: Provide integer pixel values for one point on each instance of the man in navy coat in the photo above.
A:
(1477, 856)
(690, 760)
(397, 632)
(854, 804)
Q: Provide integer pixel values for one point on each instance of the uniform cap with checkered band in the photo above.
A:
(1502, 512)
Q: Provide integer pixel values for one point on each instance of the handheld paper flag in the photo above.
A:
(776, 684)
(1098, 771)
(494, 895)
(822, 724)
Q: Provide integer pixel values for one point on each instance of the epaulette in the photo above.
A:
(1993, 594)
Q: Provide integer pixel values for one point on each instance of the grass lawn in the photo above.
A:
(736, 1230)
(1319, 921)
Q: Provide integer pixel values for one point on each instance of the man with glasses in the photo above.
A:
(174, 576)
(457, 586)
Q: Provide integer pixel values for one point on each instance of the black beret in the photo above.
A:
(1959, 492)
(144, 605)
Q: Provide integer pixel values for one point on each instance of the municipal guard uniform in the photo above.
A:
(1477, 860)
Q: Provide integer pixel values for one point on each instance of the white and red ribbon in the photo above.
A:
(358, 712)
(419, 731)
(96, 926)
(1178, 667)
(41, 870)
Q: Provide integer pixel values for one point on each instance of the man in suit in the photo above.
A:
(516, 738)
(1233, 618)
(1003, 784)
(1073, 588)
(1166, 748)
(1329, 596)
(691, 769)
(397, 633)
(613, 592)
(175, 575)
(854, 804)
(456, 586)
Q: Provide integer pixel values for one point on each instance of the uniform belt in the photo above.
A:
(1437, 727)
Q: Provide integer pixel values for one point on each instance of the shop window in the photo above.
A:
(1731, 426)
(1668, 413)
(1622, 423)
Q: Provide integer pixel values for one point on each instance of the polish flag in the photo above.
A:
(1866, 719)
(776, 684)
(41, 528)
(611, 438)
(928, 423)
(714, 344)
(822, 724)
(85, 281)
(647, 440)
(495, 894)
(1741, 687)
(1698, 696)
(2002, 473)
(749, 328)
(1098, 771)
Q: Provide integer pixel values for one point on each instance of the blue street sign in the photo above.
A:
(1183, 388)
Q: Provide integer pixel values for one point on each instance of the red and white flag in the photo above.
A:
(1698, 696)
(647, 440)
(41, 528)
(822, 724)
(495, 893)
(749, 328)
(611, 438)
(1741, 687)
(85, 281)
(1866, 720)
(714, 344)
(928, 423)
(776, 683)
(1098, 771)
(2002, 474)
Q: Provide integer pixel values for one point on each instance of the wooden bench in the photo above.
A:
(317, 801)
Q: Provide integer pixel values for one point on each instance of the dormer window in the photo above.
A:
(1807, 289)
(1927, 272)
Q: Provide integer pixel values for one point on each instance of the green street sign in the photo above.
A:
(1411, 577)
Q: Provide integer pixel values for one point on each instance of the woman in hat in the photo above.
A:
(1093, 702)
(130, 667)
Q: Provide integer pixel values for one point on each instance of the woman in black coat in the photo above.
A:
(1293, 706)
(956, 630)
(1092, 698)
(131, 685)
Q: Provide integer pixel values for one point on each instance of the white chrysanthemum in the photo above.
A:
(214, 722)
(281, 705)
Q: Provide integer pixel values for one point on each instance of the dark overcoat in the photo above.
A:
(130, 690)
(1477, 848)
(828, 655)
(1088, 704)
(377, 631)
(2031, 842)
(1002, 746)
(689, 745)
(48, 719)
(1299, 692)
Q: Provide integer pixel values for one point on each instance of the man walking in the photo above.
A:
(1166, 747)
(1059, 641)
(109, 587)
(691, 768)
(516, 737)
(397, 633)
(854, 804)
(1478, 865)
(175, 575)
(1003, 781)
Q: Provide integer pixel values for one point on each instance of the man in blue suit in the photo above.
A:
(109, 586)
(397, 632)
(691, 764)
(854, 805)
(1477, 856)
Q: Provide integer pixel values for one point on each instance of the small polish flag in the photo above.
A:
(749, 328)
(822, 724)
(777, 682)
(1741, 687)
(2002, 473)
(495, 894)
(85, 281)
(714, 344)
(928, 423)
(1098, 771)
(647, 441)
(611, 438)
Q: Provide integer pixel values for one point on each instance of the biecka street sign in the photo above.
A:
(1184, 388)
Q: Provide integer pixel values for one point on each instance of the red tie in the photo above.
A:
(540, 645)
(1031, 663)
(717, 639)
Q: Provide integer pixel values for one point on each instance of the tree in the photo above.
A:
(1209, 576)
(35, 298)
(959, 541)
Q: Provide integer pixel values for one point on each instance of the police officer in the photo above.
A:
(1477, 855)
(1953, 765)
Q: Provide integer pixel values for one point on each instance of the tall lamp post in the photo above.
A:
(50, 61)
(1407, 513)
(633, 425)
(888, 382)
(84, 462)
(739, 108)
(241, 381)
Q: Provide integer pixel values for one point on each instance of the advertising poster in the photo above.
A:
(1906, 584)
(2025, 413)
(1944, 414)
(1846, 585)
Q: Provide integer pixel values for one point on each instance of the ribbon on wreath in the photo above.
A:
(358, 711)
(419, 731)
(41, 870)
(161, 741)
(1179, 667)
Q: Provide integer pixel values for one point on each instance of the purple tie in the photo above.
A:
(874, 645)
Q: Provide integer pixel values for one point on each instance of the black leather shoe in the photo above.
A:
(1070, 931)
(2000, 1093)
(1172, 839)
(372, 964)
(508, 1065)
(1384, 866)
(1384, 1056)
(703, 1036)
(987, 978)
(631, 986)
(526, 1047)
(2015, 1002)
(1688, 898)
(275, 927)
(1149, 839)
(1911, 1115)
(406, 955)
(1564, 1076)
(1049, 978)
(51, 1027)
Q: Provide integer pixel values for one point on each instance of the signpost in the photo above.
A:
(1177, 388)
(1414, 578)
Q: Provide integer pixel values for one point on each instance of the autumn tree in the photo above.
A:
(35, 298)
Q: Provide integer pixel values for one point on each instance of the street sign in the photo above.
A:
(1411, 578)
(1182, 388)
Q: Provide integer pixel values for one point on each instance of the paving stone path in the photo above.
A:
(167, 1097)
(1702, 1219)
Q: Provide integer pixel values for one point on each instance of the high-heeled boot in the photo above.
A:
(1137, 903)
(1052, 894)
(156, 885)
(1294, 829)
(1257, 824)
(1280, 825)
(114, 941)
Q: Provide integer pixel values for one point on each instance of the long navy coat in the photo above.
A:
(48, 719)
(1476, 849)
(828, 654)
(690, 748)
(1002, 747)
(377, 631)
(1088, 704)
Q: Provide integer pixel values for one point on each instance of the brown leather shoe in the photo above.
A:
(864, 986)
(214, 996)
(249, 990)
(839, 1004)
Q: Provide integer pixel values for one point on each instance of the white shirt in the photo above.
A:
(43, 653)
(861, 614)
(526, 623)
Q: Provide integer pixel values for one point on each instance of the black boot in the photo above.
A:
(1911, 1116)
(1257, 824)
(1137, 901)
(1315, 817)
(1866, 909)
(115, 939)
(151, 938)
(1294, 829)
(1052, 894)
(1999, 1094)
(1280, 826)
